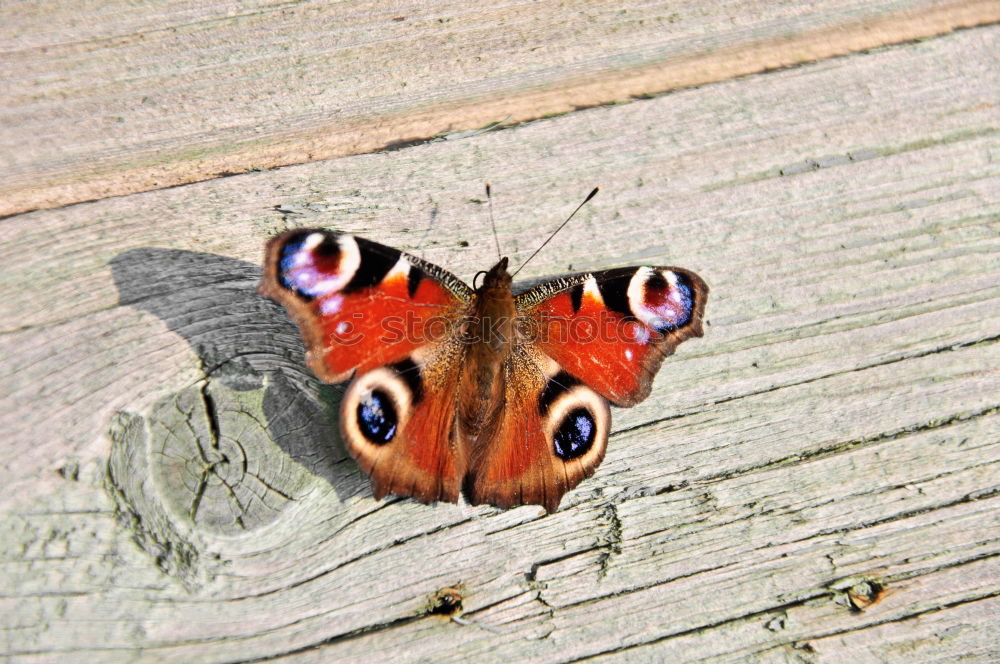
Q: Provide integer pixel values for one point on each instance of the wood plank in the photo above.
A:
(103, 99)
(838, 423)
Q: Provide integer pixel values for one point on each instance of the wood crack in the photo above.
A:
(354, 559)
(968, 498)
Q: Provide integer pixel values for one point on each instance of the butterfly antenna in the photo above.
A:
(493, 224)
(589, 196)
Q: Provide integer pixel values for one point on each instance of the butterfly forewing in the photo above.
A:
(612, 329)
(360, 305)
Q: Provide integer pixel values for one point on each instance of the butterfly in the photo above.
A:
(476, 390)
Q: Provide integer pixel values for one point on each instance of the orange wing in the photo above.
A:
(612, 330)
(552, 433)
(360, 305)
(398, 421)
(390, 320)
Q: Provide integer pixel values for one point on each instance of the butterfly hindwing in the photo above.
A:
(612, 329)
(398, 421)
(551, 435)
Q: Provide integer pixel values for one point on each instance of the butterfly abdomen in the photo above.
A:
(489, 334)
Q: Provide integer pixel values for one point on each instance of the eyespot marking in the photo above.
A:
(377, 418)
(375, 411)
(575, 420)
(662, 299)
(575, 435)
(317, 264)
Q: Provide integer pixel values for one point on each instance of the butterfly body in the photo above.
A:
(499, 396)
(489, 337)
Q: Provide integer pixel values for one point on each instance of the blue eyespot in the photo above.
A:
(575, 434)
(684, 310)
(377, 418)
(287, 262)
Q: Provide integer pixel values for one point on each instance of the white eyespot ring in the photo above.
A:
(658, 318)
(389, 383)
(579, 396)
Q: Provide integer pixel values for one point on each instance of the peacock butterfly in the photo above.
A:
(455, 389)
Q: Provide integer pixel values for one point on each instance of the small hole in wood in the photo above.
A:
(864, 594)
(446, 602)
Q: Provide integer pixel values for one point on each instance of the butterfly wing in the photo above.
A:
(398, 421)
(550, 435)
(593, 338)
(612, 329)
(360, 305)
(389, 320)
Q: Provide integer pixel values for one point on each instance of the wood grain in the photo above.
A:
(103, 100)
(174, 489)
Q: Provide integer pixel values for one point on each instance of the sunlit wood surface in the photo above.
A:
(815, 480)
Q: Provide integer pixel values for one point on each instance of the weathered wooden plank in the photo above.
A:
(963, 632)
(102, 99)
(957, 632)
(838, 422)
(781, 596)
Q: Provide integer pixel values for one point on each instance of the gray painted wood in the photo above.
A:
(174, 489)
(109, 98)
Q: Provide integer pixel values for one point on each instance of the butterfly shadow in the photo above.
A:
(247, 346)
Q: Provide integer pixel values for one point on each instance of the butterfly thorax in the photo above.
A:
(489, 333)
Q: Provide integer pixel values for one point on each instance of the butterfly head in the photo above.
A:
(496, 278)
